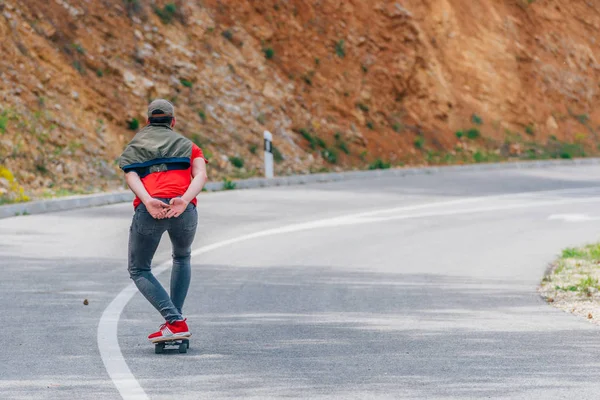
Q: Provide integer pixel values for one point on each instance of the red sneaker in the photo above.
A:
(176, 330)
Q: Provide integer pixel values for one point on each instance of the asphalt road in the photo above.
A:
(418, 287)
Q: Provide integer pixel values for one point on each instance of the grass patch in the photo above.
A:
(186, 83)
(573, 252)
(202, 115)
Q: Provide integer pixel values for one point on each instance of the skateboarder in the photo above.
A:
(166, 171)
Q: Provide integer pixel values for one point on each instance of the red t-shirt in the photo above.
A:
(169, 184)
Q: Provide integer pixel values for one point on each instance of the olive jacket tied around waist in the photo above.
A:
(156, 148)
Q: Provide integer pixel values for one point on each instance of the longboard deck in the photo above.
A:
(182, 343)
(175, 339)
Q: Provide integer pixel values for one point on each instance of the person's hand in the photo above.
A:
(157, 208)
(176, 207)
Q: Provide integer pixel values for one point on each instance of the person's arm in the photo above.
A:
(155, 207)
(137, 186)
(179, 204)
(200, 178)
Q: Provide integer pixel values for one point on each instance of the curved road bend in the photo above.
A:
(425, 287)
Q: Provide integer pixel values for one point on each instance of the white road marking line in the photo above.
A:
(108, 342)
(573, 217)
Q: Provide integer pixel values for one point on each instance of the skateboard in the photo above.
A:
(182, 343)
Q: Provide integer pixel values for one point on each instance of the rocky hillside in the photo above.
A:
(340, 84)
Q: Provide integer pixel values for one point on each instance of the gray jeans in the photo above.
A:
(144, 236)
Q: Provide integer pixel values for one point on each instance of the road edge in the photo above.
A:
(123, 196)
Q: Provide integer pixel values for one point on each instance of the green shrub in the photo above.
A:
(379, 164)
(133, 124)
(478, 157)
(197, 140)
(227, 34)
(277, 156)
(78, 48)
(99, 73)
(171, 8)
(419, 142)
(397, 127)
(306, 135)
(253, 148)
(320, 142)
(371, 125)
(339, 49)
(167, 13)
(476, 119)
(78, 66)
(459, 134)
(269, 53)
(3, 123)
(343, 146)
(133, 6)
(473, 133)
(571, 150)
(363, 107)
(202, 115)
(228, 184)
(186, 83)
(237, 162)
(330, 155)
(529, 130)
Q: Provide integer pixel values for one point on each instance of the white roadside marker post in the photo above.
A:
(268, 154)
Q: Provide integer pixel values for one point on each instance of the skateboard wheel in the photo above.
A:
(187, 343)
(183, 348)
(159, 348)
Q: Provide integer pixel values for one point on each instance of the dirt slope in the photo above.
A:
(340, 84)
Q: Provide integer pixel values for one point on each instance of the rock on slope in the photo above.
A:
(338, 83)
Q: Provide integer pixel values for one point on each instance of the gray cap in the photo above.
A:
(161, 105)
